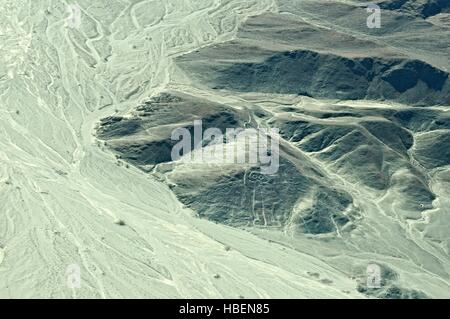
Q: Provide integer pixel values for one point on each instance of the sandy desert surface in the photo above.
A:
(85, 177)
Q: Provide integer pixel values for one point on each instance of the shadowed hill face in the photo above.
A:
(372, 148)
(367, 152)
(329, 76)
(249, 199)
(433, 149)
(144, 138)
(237, 195)
(422, 8)
(289, 56)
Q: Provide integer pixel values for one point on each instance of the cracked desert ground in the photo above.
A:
(86, 113)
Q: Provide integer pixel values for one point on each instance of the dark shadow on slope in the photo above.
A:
(330, 76)
(241, 197)
(422, 8)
